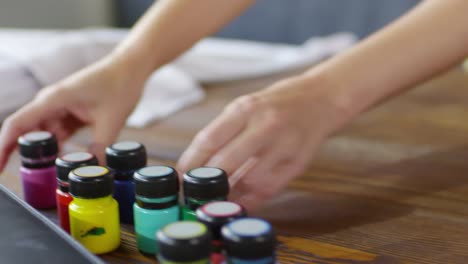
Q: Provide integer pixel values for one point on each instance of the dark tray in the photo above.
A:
(26, 236)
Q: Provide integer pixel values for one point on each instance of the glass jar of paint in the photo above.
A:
(249, 241)
(38, 150)
(157, 204)
(215, 215)
(64, 165)
(184, 242)
(94, 214)
(203, 185)
(123, 159)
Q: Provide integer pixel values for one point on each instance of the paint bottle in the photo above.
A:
(94, 214)
(64, 165)
(38, 150)
(123, 159)
(215, 215)
(203, 185)
(249, 241)
(157, 204)
(184, 242)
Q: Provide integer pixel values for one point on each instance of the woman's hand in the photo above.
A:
(265, 139)
(99, 96)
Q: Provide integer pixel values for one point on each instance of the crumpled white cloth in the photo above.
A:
(32, 59)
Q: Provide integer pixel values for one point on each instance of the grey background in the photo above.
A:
(57, 13)
(289, 21)
(293, 21)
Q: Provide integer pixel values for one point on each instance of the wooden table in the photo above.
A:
(390, 188)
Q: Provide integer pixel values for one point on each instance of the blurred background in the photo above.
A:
(286, 21)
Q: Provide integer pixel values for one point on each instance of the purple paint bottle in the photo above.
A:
(38, 150)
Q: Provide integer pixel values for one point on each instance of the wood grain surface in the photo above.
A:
(390, 188)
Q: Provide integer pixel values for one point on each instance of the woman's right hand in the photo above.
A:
(100, 96)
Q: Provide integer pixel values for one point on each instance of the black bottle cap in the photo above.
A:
(218, 213)
(91, 182)
(37, 144)
(71, 161)
(156, 182)
(126, 156)
(184, 241)
(249, 238)
(206, 183)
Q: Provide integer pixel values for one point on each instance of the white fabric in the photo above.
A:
(17, 86)
(465, 65)
(171, 90)
(218, 60)
(31, 59)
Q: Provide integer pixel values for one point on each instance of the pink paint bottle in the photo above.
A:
(38, 150)
(215, 215)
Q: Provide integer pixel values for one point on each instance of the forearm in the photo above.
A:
(426, 41)
(169, 28)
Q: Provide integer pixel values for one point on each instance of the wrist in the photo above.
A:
(337, 105)
(116, 77)
(133, 70)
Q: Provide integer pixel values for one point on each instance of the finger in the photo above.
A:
(252, 194)
(104, 132)
(70, 125)
(63, 126)
(270, 173)
(53, 126)
(282, 149)
(259, 172)
(210, 139)
(243, 169)
(248, 143)
(25, 119)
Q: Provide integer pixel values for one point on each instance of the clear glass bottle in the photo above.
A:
(94, 214)
(157, 204)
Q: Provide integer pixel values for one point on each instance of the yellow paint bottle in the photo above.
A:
(94, 214)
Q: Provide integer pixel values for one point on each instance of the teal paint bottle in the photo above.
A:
(184, 242)
(203, 185)
(156, 193)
